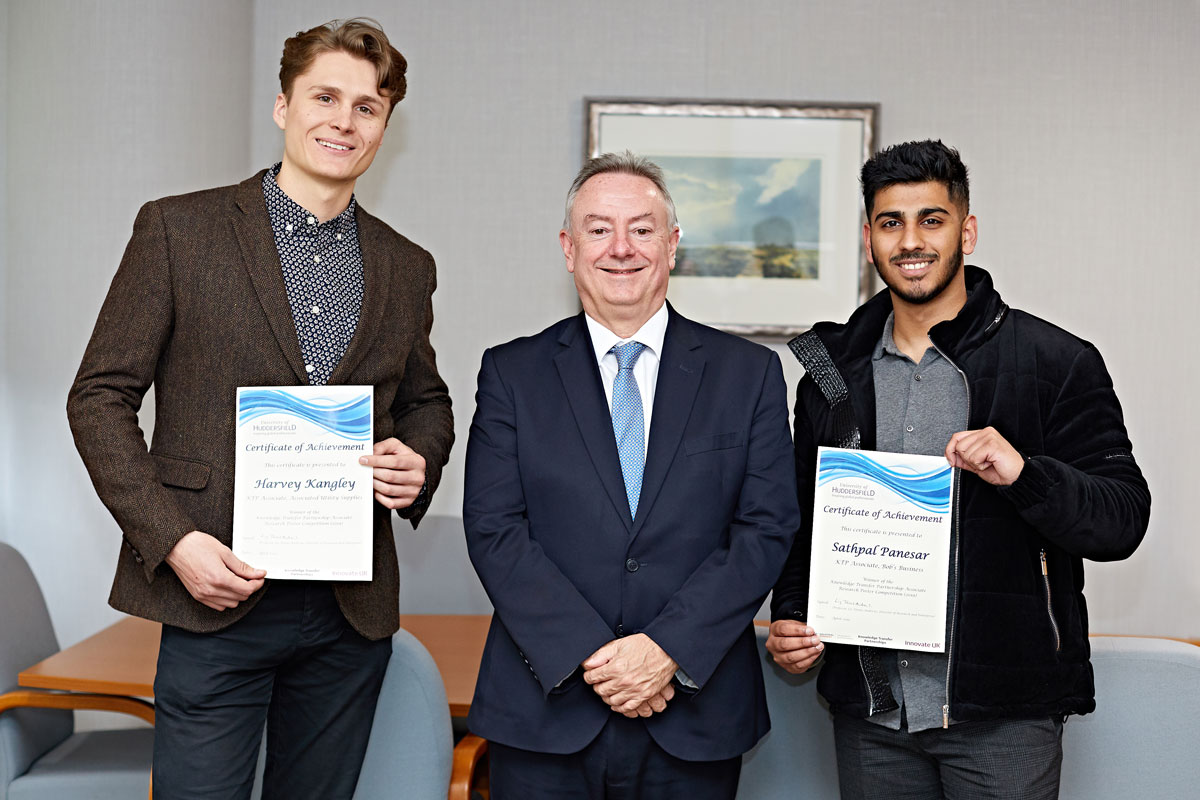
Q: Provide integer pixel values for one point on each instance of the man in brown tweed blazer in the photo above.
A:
(226, 288)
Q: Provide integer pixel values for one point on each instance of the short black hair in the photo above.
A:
(916, 162)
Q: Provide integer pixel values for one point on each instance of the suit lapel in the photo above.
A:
(261, 258)
(580, 376)
(377, 280)
(679, 372)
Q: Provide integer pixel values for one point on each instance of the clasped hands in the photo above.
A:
(632, 675)
(214, 576)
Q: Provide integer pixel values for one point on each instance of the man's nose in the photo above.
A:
(620, 247)
(911, 240)
(343, 119)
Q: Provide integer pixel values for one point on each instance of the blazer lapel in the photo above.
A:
(261, 258)
(580, 377)
(377, 281)
(679, 372)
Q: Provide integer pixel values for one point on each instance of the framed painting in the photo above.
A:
(768, 200)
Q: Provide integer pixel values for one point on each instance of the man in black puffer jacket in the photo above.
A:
(1045, 477)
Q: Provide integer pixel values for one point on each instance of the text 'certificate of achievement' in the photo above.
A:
(303, 505)
(881, 549)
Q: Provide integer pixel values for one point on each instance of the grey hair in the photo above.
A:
(626, 163)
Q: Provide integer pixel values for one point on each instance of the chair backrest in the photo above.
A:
(411, 747)
(26, 637)
(796, 759)
(1143, 738)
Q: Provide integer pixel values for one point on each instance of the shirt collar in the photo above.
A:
(887, 342)
(651, 334)
(285, 211)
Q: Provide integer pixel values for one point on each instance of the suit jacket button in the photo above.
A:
(632, 565)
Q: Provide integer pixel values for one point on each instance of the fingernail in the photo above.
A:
(362, 460)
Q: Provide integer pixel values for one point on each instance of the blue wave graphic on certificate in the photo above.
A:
(927, 490)
(350, 419)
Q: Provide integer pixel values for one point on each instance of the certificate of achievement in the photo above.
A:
(302, 505)
(881, 549)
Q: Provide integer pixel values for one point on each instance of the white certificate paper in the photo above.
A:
(881, 549)
(302, 505)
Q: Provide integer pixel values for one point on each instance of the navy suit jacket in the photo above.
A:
(549, 532)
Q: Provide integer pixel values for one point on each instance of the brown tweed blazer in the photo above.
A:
(198, 308)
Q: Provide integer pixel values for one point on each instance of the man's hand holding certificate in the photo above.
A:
(881, 549)
(302, 501)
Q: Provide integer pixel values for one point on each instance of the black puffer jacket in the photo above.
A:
(1018, 645)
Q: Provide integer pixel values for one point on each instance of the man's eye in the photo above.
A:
(324, 98)
(643, 231)
(931, 221)
(366, 110)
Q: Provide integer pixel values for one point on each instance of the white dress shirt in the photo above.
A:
(645, 371)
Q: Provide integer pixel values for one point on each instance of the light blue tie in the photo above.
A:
(628, 422)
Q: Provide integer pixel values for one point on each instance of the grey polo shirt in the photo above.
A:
(918, 407)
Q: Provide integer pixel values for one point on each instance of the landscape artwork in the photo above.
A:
(747, 217)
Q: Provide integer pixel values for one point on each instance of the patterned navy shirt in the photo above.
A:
(323, 272)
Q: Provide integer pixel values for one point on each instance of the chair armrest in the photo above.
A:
(26, 698)
(467, 754)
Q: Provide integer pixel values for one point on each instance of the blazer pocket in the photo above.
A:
(718, 441)
(181, 472)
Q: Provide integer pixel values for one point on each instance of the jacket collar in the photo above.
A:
(975, 323)
(261, 259)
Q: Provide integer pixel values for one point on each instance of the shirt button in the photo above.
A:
(316, 309)
(631, 565)
(288, 227)
(918, 376)
(309, 367)
(904, 663)
(338, 237)
(312, 221)
(317, 259)
(908, 428)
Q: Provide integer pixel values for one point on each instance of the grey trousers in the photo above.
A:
(990, 760)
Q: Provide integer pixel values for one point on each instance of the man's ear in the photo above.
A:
(867, 243)
(568, 248)
(280, 112)
(970, 234)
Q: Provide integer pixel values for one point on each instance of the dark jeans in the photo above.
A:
(622, 763)
(294, 663)
(1015, 759)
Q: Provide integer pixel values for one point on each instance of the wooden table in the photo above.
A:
(121, 659)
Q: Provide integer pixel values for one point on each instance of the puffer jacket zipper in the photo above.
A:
(1049, 604)
(955, 532)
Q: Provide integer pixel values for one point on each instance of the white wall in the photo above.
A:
(140, 99)
(6, 454)
(1075, 118)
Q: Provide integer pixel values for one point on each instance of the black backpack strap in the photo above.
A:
(812, 354)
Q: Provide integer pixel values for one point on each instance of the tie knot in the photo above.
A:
(627, 354)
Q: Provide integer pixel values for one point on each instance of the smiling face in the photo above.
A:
(332, 125)
(620, 247)
(916, 238)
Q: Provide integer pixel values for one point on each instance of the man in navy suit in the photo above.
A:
(630, 498)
